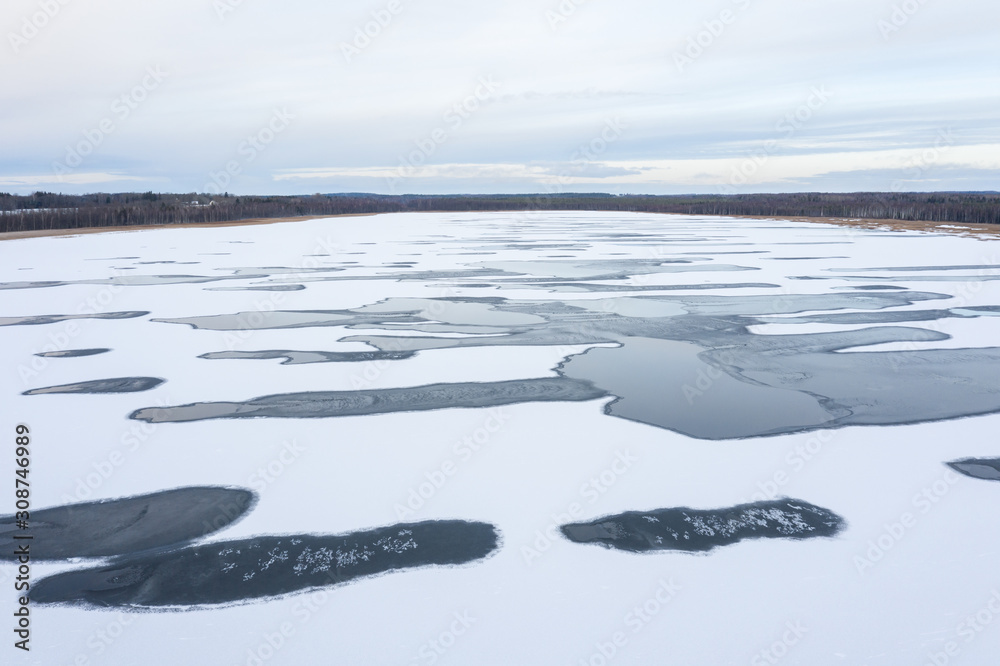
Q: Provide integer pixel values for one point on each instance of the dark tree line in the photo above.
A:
(46, 210)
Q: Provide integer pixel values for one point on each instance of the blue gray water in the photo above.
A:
(670, 357)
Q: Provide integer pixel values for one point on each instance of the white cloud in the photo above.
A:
(84, 178)
(701, 173)
(606, 60)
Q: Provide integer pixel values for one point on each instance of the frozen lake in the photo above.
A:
(404, 439)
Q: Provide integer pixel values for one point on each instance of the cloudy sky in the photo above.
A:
(449, 96)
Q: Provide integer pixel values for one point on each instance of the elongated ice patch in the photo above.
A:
(325, 404)
(700, 530)
(130, 525)
(115, 385)
(266, 566)
(55, 319)
(987, 469)
(73, 353)
(302, 357)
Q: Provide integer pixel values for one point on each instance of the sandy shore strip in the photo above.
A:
(983, 231)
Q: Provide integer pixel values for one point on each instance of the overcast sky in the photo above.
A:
(449, 96)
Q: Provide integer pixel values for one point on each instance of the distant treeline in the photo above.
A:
(45, 210)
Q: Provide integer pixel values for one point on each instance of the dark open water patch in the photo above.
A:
(665, 383)
(274, 287)
(402, 312)
(608, 270)
(267, 271)
(303, 357)
(543, 319)
(900, 278)
(795, 303)
(684, 362)
(987, 469)
(699, 530)
(131, 281)
(55, 319)
(326, 404)
(116, 385)
(770, 385)
(918, 269)
(873, 287)
(73, 353)
(977, 310)
(266, 566)
(616, 288)
(852, 318)
(804, 258)
(130, 525)
(878, 388)
(415, 276)
(274, 319)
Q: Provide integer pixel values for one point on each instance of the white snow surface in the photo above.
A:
(541, 599)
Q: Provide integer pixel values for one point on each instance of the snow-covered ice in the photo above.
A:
(523, 371)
